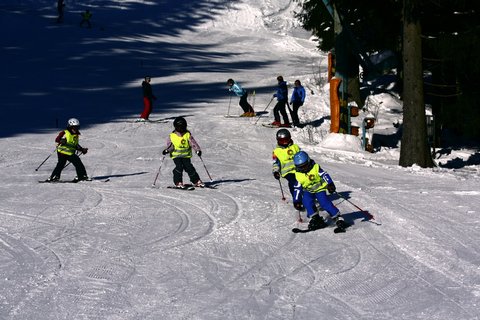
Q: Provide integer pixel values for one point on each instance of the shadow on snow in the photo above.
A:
(95, 74)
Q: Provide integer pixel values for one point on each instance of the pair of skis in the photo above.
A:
(338, 229)
(74, 180)
(191, 187)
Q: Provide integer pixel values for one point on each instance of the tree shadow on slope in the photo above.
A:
(458, 163)
(52, 71)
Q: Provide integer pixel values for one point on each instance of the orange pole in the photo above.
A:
(334, 105)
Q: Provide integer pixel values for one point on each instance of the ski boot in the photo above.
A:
(200, 184)
(340, 223)
(316, 222)
(53, 179)
(84, 178)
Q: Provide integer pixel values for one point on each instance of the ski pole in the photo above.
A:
(158, 172)
(281, 190)
(229, 103)
(299, 217)
(205, 168)
(41, 164)
(264, 110)
(365, 212)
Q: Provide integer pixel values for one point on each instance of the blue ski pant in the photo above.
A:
(323, 200)
(290, 177)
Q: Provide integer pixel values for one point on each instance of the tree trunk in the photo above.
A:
(414, 147)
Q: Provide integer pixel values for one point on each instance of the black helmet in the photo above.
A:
(230, 82)
(284, 138)
(180, 124)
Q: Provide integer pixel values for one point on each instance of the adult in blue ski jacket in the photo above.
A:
(280, 108)
(243, 94)
(296, 101)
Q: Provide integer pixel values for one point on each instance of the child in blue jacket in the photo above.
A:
(314, 182)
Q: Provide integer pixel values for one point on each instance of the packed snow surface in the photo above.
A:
(122, 249)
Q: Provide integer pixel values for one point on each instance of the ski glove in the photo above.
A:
(276, 175)
(199, 153)
(298, 206)
(84, 150)
(164, 152)
(331, 187)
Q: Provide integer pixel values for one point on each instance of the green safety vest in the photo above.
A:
(86, 15)
(181, 146)
(71, 144)
(285, 156)
(311, 181)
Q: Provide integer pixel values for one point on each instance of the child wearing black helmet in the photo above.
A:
(179, 144)
(314, 182)
(283, 165)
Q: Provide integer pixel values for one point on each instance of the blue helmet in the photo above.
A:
(301, 161)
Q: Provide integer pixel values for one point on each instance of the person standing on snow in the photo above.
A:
(86, 16)
(314, 182)
(296, 101)
(179, 144)
(60, 10)
(243, 94)
(67, 147)
(282, 100)
(283, 165)
(148, 98)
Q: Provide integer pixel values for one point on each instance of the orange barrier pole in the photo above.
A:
(334, 105)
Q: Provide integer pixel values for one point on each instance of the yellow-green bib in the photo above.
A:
(285, 156)
(71, 144)
(311, 181)
(181, 145)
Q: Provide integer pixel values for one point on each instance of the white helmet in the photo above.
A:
(73, 122)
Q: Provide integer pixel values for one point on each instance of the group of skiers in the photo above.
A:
(296, 101)
(179, 145)
(307, 181)
(281, 93)
(86, 15)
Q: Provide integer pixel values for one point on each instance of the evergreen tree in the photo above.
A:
(450, 42)
(414, 147)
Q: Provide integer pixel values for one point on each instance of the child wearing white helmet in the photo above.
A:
(67, 148)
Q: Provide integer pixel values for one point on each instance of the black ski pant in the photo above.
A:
(184, 164)
(62, 161)
(244, 103)
(294, 112)
(280, 108)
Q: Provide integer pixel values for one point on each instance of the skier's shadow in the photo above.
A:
(215, 183)
(350, 217)
(118, 175)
